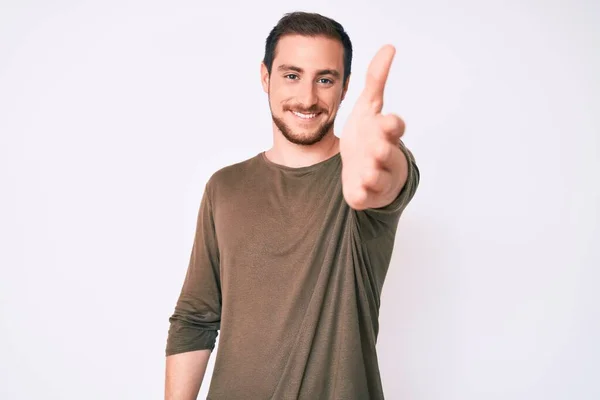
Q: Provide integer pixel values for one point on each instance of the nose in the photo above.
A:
(307, 94)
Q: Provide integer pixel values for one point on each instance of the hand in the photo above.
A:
(374, 168)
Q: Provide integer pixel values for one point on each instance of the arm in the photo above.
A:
(184, 374)
(195, 323)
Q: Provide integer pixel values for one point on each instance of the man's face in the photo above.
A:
(305, 87)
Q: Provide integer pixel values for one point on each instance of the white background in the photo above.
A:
(114, 114)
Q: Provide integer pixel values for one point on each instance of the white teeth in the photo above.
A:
(305, 116)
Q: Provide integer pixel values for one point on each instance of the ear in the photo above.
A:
(264, 77)
(345, 89)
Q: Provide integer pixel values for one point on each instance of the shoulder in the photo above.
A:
(231, 176)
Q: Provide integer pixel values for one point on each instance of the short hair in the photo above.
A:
(308, 24)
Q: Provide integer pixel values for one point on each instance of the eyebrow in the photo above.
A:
(287, 67)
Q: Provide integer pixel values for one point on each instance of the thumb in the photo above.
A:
(377, 75)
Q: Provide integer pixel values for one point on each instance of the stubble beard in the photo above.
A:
(306, 139)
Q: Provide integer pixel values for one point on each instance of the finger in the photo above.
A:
(375, 180)
(384, 154)
(392, 127)
(377, 75)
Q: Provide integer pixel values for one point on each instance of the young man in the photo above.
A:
(292, 245)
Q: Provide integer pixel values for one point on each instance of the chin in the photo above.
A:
(299, 135)
(303, 137)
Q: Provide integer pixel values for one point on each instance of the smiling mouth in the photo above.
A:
(306, 116)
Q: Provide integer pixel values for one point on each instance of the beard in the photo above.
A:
(303, 139)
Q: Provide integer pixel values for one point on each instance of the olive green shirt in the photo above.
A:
(290, 277)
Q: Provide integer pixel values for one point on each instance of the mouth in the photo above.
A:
(306, 116)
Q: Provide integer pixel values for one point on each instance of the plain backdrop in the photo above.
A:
(113, 114)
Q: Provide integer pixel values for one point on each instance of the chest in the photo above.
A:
(277, 218)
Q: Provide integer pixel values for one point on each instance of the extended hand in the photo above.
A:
(374, 168)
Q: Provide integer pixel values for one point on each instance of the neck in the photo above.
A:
(293, 155)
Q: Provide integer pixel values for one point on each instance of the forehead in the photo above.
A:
(309, 52)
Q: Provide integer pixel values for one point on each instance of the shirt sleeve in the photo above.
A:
(196, 320)
(375, 221)
(376, 228)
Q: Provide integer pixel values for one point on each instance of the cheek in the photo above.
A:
(281, 95)
(333, 103)
(276, 98)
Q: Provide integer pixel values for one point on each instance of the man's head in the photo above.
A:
(305, 71)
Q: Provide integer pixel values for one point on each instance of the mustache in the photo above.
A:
(310, 110)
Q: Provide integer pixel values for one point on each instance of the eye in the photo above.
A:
(327, 81)
(289, 76)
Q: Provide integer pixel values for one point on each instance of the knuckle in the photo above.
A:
(395, 122)
(381, 151)
(356, 198)
(369, 177)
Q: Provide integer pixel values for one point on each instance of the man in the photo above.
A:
(292, 245)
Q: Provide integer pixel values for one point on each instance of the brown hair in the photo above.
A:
(308, 24)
